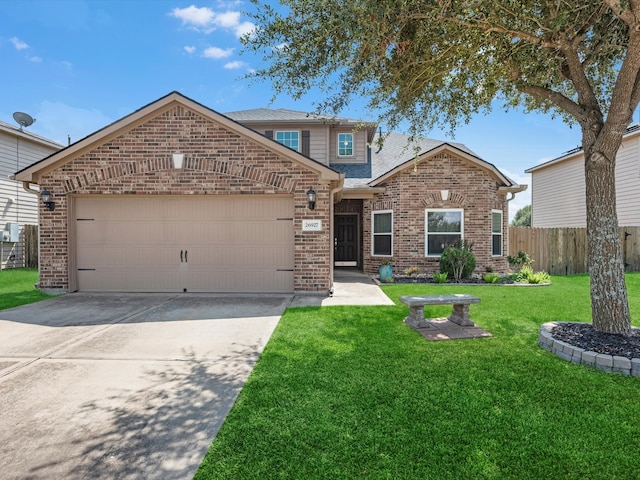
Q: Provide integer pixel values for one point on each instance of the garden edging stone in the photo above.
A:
(573, 354)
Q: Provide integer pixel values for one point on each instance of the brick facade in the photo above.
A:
(410, 192)
(217, 161)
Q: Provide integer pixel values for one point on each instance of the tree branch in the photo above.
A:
(556, 98)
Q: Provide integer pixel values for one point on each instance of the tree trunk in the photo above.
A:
(609, 304)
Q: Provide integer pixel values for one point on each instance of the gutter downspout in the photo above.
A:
(521, 188)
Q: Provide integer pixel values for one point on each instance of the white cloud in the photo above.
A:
(194, 16)
(36, 59)
(234, 65)
(207, 20)
(227, 19)
(245, 28)
(57, 120)
(189, 49)
(217, 53)
(19, 44)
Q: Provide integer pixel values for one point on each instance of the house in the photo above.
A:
(561, 183)
(18, 149)
(176, 197)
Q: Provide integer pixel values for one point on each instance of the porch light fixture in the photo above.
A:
(45, 196)
(311, 198)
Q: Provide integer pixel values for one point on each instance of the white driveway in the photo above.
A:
(124, 386)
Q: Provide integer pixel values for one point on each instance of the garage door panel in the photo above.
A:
(238, 279)
(208, 244)
(115, 279)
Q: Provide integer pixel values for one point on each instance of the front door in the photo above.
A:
(346, 241)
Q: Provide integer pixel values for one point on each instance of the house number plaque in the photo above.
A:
(311, 225)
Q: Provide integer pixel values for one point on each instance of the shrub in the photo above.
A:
(458, 260)
(526, 272)
(440, 277)
(540, 277)
(491, 277)
(527, 275)
(521, 260)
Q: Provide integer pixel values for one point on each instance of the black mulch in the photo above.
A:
(583, 335)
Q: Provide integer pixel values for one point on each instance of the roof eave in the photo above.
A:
(361, 192)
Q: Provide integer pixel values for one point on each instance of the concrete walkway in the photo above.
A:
(350, 287)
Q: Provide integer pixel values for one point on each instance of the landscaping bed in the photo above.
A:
(583, 335)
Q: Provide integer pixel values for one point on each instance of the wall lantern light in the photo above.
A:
(311, 198)
(45, 196)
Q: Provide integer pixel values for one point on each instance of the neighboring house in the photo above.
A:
(18, 149)
(558, 187)
(177, 197)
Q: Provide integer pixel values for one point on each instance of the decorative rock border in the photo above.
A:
(600, 361)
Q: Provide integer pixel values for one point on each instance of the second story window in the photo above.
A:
(289, 138)
(345, 144)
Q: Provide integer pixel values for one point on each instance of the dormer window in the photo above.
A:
(345, 144)
(289, 138)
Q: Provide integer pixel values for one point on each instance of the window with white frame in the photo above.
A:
(289, 138)
(345, 144)
(382, 241)
(443, 227)
(496, 233)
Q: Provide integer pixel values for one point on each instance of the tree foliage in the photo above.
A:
(439, 62)
(522, 218)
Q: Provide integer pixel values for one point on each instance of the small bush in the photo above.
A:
(440, 277)
(458, 260)
(527, 275)
(540, 277)
(521, 260)
(490, 278)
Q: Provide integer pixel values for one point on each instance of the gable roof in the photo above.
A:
(33, 172)
(400, 151)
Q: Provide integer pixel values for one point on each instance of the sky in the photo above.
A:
(78, 65)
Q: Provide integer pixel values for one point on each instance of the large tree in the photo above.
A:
(439, 62)
(522, 218)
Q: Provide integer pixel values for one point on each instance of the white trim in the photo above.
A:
(426, 227)
(299, 132)
(501, 233)
(353, 147)
(373, 234)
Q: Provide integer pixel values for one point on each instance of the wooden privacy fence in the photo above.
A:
(563, 251)
(31, 246)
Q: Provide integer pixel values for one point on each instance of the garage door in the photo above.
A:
(233, 243)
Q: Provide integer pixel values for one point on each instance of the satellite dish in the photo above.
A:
(23, 119)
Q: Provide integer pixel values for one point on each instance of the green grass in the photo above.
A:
(351, 392)
(17, 287)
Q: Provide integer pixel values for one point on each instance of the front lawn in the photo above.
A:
(351, 392)
(17, 287)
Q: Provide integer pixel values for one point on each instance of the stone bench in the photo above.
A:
(459, 301)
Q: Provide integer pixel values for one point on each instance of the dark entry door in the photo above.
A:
(346, 240)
